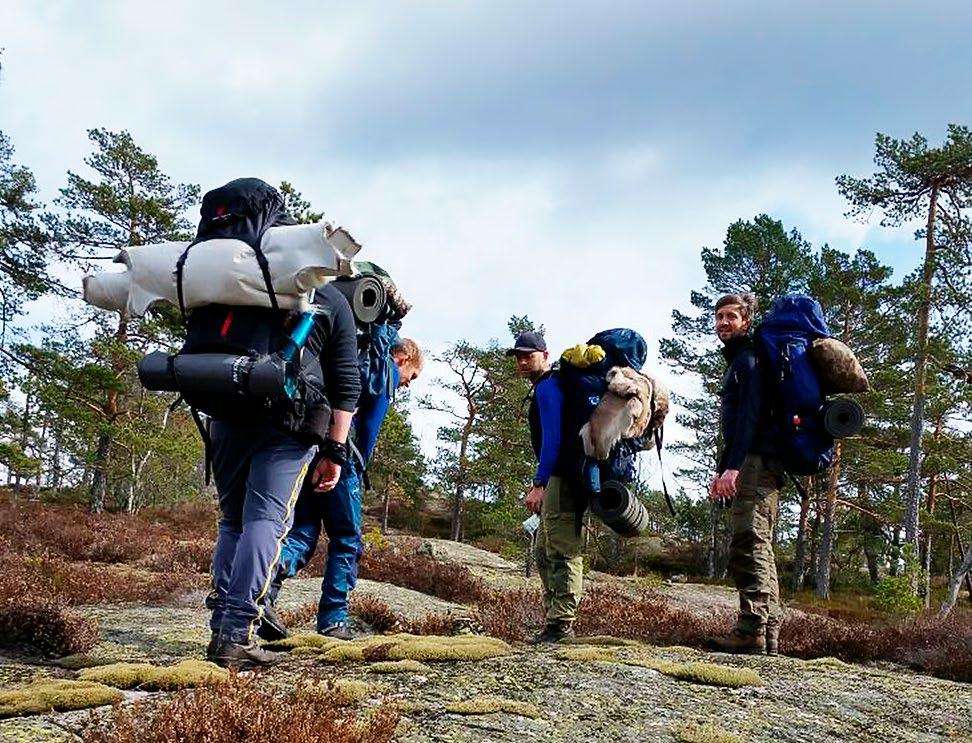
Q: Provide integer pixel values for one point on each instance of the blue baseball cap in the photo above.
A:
(527, 342)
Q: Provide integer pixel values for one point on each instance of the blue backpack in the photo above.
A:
(583, 389)
(796, 399)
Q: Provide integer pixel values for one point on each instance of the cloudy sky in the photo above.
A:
(563, 160)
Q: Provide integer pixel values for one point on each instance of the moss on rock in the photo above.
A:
(399, 666)
(490, 705)
(704, 733)
(58, 695)
(427, 648)
(183, 675)
(586, 654)
(710, 674)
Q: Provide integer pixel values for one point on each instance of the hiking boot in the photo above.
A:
(272, 626)
(552, 633)
(211, 647)
(337, 631)
(738, 641)
(238, 656)
(772, 639)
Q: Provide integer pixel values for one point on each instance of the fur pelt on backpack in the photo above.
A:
(632, 402)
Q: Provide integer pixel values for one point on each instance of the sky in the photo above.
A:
(564, 160)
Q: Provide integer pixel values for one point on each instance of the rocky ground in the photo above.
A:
(587, 692)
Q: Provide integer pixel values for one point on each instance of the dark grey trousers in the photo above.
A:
(258, 472)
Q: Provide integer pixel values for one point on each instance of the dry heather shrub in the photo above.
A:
(240, 711)
(299, 616)
(59, 695)
(433, 623)
(611, 611)
(74, 583)
(400, 565)
(180, 556)
(375, 613)
(510, 614)
(941, 648)
(43, 626)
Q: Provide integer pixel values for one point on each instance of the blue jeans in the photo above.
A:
(258, 471)
(339, 513)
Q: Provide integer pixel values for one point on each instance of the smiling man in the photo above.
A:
(749, 477)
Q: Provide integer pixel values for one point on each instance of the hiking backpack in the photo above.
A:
(784, 340)
(583, 385)
(244, 364)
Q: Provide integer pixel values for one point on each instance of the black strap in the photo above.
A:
(661, 470)
(804, 495)
(179, 292)
(207, 443)
(265, 270)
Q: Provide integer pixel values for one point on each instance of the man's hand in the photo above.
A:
(723, 488)
(326, 475)
(534, 499)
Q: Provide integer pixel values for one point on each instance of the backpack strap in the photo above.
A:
(207, 443)
(661, 471)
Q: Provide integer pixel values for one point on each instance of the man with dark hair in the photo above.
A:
(749, 477)
(339, 511)
(559, 546)
(259, 468)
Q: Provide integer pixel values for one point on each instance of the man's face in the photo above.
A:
(729, 322)
(530, 364)
(408, 370)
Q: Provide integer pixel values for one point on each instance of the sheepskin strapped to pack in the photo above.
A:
(612, 409)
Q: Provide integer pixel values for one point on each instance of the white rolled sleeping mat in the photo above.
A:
(301, 258)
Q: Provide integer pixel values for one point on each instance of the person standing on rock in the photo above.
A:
(339, 512)
(559, 546)
(748, 477)
(259, 468)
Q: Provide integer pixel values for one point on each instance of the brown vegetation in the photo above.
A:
(401, 565)
(240, 711)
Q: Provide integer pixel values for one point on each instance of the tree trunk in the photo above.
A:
(710, 565)
(455, 533)
(386, 501)
(953, 586)
(926, 544)
(99, 480)
(827, 539)
(958, 537)
(913, 492)
(800, 558)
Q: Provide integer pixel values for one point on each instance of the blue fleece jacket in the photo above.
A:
(549, 398)
(372, 410)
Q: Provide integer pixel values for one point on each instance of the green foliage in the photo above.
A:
(896, 595)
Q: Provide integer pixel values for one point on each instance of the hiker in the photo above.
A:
(259, 469)
(748, 476)
(339, 511)
(558, 544)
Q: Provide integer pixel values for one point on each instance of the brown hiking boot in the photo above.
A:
(738, 641)
(772, 639)
(552, 633)
(211, 647)
(271, 626)
(238, 656)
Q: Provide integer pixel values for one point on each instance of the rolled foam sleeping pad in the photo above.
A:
(843, 417)
(366, 295)
(620, 511)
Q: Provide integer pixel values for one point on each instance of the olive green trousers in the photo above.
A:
(559, 551)
(752, 563)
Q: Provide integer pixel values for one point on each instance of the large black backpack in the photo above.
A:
(245, 364)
